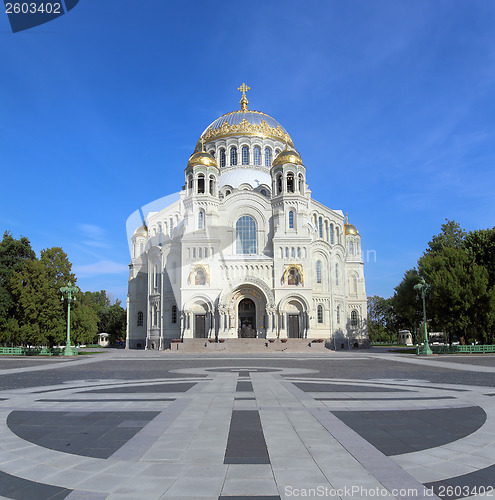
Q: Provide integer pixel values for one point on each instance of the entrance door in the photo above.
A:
(293, 324)
(200, 326)
(247, 319)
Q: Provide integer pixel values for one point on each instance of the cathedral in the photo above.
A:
(246, 251)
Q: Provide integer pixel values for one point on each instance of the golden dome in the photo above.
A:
(350, 229)
(202, 158)
(141, 231)
(287, 156)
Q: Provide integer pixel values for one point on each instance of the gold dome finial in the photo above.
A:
(202, 141)
(244, 102)
(346, 218)
(144, 223)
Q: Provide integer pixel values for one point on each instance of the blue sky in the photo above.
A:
(390, 103)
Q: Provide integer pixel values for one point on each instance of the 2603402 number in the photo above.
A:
(465, 491)
(33, 8)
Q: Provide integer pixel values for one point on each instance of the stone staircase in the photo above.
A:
(248, 345)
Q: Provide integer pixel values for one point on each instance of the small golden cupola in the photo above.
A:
(287, 156)
(349, 229)
(142, 230)
(202, 158)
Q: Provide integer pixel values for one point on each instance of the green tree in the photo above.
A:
(381, 324)
(461, 300)
(40, 312)
(405, 304)
(84, 319)
(13, 256)
(480, 245)
(452, 236)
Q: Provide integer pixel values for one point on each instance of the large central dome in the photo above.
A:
(244, 123)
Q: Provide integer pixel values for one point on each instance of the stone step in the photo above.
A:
(248, 345)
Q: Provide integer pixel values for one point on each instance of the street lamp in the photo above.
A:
(423, 288)
(69, 291)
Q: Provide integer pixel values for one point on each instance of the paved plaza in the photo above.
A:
(148, 425)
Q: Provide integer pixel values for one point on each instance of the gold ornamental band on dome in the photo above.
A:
(247, 129)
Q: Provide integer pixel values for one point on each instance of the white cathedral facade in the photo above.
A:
(246, 251)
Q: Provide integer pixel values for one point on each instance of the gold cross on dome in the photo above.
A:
(202, 141)
(244, 102)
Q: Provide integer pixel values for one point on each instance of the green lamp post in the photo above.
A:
(69, 291)
(423, 288)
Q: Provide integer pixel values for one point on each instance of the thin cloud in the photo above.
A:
(101, 267)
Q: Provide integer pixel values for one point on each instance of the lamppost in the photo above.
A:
(69, 291)
(423, 288)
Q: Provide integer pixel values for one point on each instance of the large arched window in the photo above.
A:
(245, 229)
(268, 157)
(245, 155)
(233, 155)
(257, 155)
(351, 248)
(354, 318)
(338, 315)
(320, 227)
(201, 220)
(331, 234)
(291, 219)
(222, 158)
(174, 314)
(140, 318)
(320, 314)
(318, 271)
(337, 274)
(213, 187)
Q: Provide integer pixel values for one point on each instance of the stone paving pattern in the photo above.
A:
(149, 425)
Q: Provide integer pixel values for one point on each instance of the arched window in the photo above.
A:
(140, 318)
(351, 248)
(320, 227)
(194, 253)
(201, 220)
(245, 155)
(279, 184)
(171, 225)
(190, 182)
(201, 184)
(320, 314)
(354, 284)
(174, 314)
(222, 158)
(291, 219)
(277, 152)
(318, 271)
(233, 155)
(206, 253)
(212, 152)
(257, 155)
(337, 274)
(331, 234)
(298, 252)
(245, 235)
(268, 157)
(290, 182)
(301, 184)
(354, 318)
(156, 277)
(212, 185)
(200, 253)
(338, 315)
